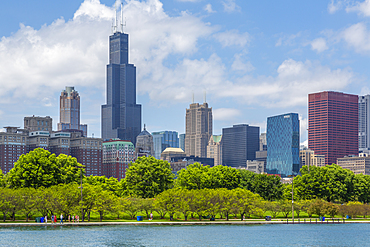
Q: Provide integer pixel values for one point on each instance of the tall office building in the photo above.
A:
(163, 140)
(198, 129)
(239, 144)
(69, 111)
(364, 123)
(283, 145)
(333, 125)
(144, 144)
(121, 116)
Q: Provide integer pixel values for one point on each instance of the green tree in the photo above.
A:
(268, 187)
(285, 207)
(40, 168)
(193, 177)
(246, 179)
(317, 207)
(273, 207)
(183, 204)
(223, 177)
(68, 197)
(2, 182)
(168, 200)
(105, 202)
(130, 205)
(148, 177)
(147, 206)
(331, 209)
(6, 201)
(110, 184)
(27, 201)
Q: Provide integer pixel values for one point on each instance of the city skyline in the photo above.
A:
(251, 65)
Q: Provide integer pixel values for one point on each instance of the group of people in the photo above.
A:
(54, 219)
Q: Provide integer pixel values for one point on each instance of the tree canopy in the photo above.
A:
(40, 168)
(147, 177)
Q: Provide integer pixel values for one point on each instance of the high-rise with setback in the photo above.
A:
(198, 129)
(364, 123)
(121, 116)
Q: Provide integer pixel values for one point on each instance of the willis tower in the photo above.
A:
(121, 116)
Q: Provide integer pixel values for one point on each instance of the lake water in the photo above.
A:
(207, 235)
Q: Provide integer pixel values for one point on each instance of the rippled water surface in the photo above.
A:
(207, 235)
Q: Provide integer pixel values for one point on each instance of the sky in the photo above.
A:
(252, 59)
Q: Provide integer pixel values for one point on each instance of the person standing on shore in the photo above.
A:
(151, 216)
(52, 219)
(69, 218)
(61, 219)
(46, 219)
(78, 218)
(73, 219)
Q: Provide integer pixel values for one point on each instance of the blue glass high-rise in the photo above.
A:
(121, 116)
(283, 145)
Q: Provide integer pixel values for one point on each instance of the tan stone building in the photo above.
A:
(255, 166)
(358, 164)
(198, 129)
(214, 149)
(169, 153)
(36, 123)
(309, 158)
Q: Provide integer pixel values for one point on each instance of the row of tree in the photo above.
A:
(148, 177)
(204, 203)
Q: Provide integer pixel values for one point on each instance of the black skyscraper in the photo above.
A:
(239, 144)
(121, 116)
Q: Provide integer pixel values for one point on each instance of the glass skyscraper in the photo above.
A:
(163, 140)
(121, 116)
(283, 145)
(239, 144)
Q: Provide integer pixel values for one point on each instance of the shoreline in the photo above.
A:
(138, 223)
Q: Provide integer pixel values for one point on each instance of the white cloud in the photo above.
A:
(233, 37)
(358, 37)
(230, 6)
(225, 114)
(362, 8)
(334, 6)
(288, 40)
(290, 87)
(240, 65)
(303, 126)
(209, 9)
(319, 45)
(304, 143)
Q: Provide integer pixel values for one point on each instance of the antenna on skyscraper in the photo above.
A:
(122, 18)
(116, 18)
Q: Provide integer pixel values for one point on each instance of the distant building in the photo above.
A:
(170, 153)
(357, 164)
(36, 123)
(198, 129)
(12, 145)
(121, 116)
(214, 149)
(59, 143)
(117, 155)
(239, 144)
(255, 166)
(69, 112)
(163, 140)
(261, 155)
(283, 145)
(308, 158)
(38, 139)
(182, 141)
(144, 144)
(333, 124)
(364, 123)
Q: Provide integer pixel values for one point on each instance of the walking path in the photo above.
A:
(233, 222)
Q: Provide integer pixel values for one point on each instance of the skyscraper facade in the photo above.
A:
(198, 129)
(144, 144)
(69, 111)
(333, 125)
(121, 116)
(214, 149)
(239, 144)
(364, 123)
(163, 140)
(182, 141)
(283, 145)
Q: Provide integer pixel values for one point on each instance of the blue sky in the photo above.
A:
(253, 59)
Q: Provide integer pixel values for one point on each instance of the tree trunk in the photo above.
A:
(200, 218)
(227, 216)
(88, 216)
(26, 217)
(4, 216)
(241, 217)
(101, 216)
(117, 215)
(13, 215)
(171, 217)
(186, 217)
